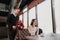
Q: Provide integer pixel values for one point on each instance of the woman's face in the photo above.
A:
(35, 22)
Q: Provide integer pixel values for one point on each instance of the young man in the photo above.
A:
(11, 21)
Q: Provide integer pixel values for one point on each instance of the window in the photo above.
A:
(20, 17)
(25, 20)
(31, 14)
(25, 10)
(45, 17)
(57, 15)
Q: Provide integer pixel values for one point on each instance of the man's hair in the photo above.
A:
(16, 7)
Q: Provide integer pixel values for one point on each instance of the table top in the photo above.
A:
(44, 37)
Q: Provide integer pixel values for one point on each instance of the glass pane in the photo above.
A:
(57, 15)
(25, 20)
(20, 17)
(31, 14)
(45, 17)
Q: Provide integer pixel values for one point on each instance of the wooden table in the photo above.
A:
(45, 37)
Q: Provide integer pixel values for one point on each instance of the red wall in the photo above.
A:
(31, 5)
(34, 3)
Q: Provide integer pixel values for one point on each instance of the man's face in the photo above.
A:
(16, 11)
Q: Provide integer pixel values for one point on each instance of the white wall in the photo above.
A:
(57, 15)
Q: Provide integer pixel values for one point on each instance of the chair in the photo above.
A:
(40, 31)
(21, 34)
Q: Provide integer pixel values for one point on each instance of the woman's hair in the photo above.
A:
(32, 22)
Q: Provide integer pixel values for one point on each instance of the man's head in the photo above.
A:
(16, 11)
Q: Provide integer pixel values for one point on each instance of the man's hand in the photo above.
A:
(14, 27)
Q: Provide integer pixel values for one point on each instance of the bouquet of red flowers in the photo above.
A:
(19, 25)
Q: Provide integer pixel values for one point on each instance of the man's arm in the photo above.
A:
(9, 22)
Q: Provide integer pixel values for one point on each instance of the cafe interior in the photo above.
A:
(46, 12)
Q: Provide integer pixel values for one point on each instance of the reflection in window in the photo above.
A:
(31, 14)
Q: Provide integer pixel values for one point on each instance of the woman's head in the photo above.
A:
(34, 22)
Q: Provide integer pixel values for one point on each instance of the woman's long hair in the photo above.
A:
(33, 22)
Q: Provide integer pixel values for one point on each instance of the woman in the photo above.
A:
(33, 27)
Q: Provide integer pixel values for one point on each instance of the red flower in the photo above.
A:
(19, 25)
